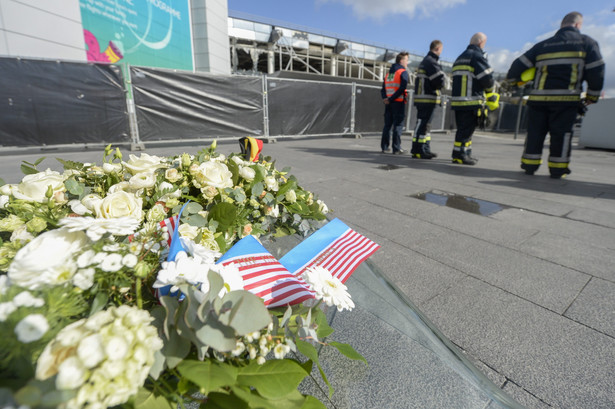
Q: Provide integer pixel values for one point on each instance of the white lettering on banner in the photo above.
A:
(166, 8)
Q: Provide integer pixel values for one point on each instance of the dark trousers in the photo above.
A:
(421, 138)
(466, 124)
(558, 122)
(393, 119)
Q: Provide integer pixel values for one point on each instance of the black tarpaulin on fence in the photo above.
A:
(181, 105)
(51, 102)
(369, 110)
(304, 108)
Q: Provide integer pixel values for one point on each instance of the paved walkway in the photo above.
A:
(525, 291)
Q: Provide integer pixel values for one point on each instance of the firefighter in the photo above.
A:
(560, 65)
(429, 81)
(472, 77)
(394, 96)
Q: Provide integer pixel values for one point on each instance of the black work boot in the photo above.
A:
(559, 173)
(465, 159)
(428, 150)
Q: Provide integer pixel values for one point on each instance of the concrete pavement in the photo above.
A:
(526, 292)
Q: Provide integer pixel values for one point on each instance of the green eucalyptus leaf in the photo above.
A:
(74, 187)
(190, 314)
(225, 214)
(176, 349)
(216, 283)
(348, 351)
(208, 375)
(170, 305)
(248, 313)
(287, 314)
(274, 379)
(257, 189)
(239, 194)
(145, 399)
(192, 208)
(217, 335)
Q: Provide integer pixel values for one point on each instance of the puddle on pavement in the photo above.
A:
(468, 204)
(389, 167)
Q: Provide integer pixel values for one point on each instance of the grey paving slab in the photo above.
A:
(573, 253)
(533, 347)
(547, 284)
(602, 212)
(595, 306)
(596, 235)
(524, 397)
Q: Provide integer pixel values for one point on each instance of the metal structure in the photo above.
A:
(260, 45)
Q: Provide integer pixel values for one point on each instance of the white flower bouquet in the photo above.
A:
(95, 313)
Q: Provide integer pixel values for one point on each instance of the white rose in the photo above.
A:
(214, 174)
(157, 213)
(291, 196)
(47, 259)
(142, 181)
(271, 183)
(247, 173)
(322, 206)
(34, 187)
(172, 175)
(91, 201)
(121, 186)
(31, 328)
(4, 199)
(120, 204)
(188, 230)
(145, 163)
(7, 189)
(77, 207)
(111, 167)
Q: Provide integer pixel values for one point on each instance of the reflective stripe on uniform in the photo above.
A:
(561, 54)
(559, 165)
(531, 161)
(594, 64)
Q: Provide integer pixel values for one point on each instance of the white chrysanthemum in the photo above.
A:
(111, 263)
(104, 359)
(6, 309)
(95, 228)
(47, 260)
(328, 288)
(130, 260)
(184, 269)
(232, 278)
(31, 328)
(206, 254)
(84, 278)
(26, 299)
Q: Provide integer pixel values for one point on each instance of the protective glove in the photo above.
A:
(493, 100)
(527, 76)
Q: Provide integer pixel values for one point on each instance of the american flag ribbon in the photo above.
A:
(171, 224)
(335, 247)
(264, 276)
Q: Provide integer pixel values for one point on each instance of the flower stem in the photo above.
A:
(138, 291)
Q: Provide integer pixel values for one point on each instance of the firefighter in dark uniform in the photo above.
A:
(561, 64)
(429, 80)
(472, 77)
(394, 96)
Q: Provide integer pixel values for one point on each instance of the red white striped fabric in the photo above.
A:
(265, 277)
(343, 255)
(171, 225)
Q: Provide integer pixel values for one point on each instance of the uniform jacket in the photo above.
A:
(562, 63)
(472, 76)
(429, 81)
(403, 83)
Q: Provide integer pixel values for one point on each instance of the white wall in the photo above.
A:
(210, 36)
(42, 29)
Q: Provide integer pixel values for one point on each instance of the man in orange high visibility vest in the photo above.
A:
(394, 96)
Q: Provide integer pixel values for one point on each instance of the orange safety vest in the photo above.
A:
(392, 83)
